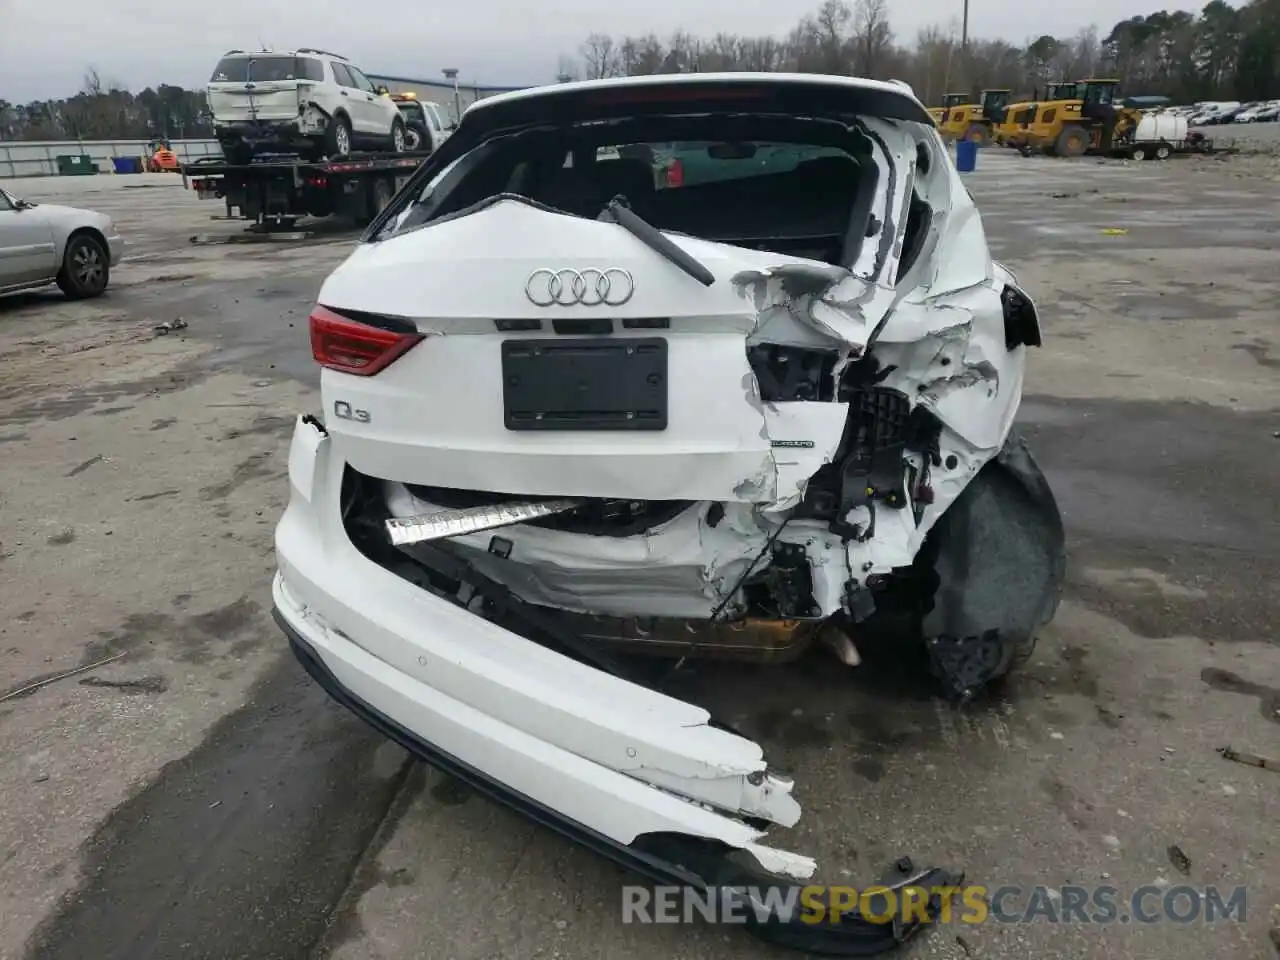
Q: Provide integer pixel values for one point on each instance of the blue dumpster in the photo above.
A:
(127, 164)
(966, 155)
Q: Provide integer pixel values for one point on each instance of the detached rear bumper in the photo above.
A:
(671, 859)
(650, 866)
(607, 754)
(640, 777)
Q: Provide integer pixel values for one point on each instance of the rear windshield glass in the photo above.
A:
(266, 68)
(798, 197)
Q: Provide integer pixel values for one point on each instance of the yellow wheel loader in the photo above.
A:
(949, 100)
(1090, 120)
(967, 120)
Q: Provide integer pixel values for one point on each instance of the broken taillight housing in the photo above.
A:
(352, 346)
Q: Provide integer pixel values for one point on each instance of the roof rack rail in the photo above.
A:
(323, 53)
(231, 53)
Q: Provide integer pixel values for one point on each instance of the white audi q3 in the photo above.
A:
(694, 366)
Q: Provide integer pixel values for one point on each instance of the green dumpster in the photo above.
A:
(75, 165)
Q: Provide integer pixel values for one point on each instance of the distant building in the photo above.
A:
(441, 91)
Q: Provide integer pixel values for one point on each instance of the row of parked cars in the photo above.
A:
(1230, 111)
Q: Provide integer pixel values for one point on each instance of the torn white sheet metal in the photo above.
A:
(680, 568)
(803, 436)
(443, 523)
(617, 757)
(940, 330)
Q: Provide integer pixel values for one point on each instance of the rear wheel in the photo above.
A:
(1163, 151)
(85, 267)
(415, 138)
(399, 140)
(1073, 141)
(338, 140)
(1139, 153)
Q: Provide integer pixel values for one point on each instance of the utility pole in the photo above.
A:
(964, 27)
(451, 73)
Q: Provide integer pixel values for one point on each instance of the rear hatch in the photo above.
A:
(263, 87)
(547, 354)
(652, 398)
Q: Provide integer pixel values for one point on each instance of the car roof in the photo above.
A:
(789, 92)
(301, 51)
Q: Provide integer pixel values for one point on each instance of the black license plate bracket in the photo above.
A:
(585, 383)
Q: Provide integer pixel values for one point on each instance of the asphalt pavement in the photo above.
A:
(199, 797)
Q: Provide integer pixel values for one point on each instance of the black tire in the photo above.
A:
(337, 141)
(1004, 526)
(399, 142)
(86, 267)
(1163, 151)
(1139, 153)
(416, 138)
(1073, 141)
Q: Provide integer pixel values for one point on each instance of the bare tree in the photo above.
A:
(872, 37)
(1180, 54)
(600, 57)
(724, 52)
(832, 35)
(683, 55)
(763, 54)
(92, 84)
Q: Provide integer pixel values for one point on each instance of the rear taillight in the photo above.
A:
(349, 346)
(675, 173)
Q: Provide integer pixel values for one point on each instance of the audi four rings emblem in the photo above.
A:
(612, 287)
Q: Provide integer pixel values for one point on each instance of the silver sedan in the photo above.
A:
(43, 243)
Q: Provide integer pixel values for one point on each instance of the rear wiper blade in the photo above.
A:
(652, 237)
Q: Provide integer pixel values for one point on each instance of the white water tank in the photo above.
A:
(1161, 126)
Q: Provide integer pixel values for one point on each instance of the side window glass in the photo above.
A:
(312, 69)
(341, 75)
(362, 82)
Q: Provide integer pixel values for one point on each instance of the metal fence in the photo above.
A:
(40, 158)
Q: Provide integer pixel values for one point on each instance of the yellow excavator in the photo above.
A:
(1089, 119)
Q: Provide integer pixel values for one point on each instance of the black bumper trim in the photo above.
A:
(853, 936)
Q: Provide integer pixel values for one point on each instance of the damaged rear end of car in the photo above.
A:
(577, 409)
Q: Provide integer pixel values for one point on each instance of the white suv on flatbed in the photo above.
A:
(306, 101)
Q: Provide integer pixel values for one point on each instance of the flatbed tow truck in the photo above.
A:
(274, 191)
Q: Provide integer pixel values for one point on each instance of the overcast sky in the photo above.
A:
(45, 45)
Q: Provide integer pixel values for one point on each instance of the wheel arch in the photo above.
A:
(999, 557)
(83, 231)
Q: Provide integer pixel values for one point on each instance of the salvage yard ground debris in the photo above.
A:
(1139, 405)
